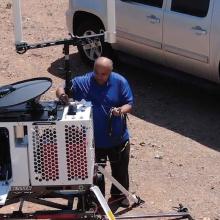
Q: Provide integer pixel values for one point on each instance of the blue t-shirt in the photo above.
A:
(115, 93)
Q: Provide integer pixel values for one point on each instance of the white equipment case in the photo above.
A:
(51, 145)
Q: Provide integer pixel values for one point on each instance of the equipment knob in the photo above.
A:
(72, 109)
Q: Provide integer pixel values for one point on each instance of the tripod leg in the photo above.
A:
(103, 202)
(129, 195)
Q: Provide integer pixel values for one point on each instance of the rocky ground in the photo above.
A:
(175, 155)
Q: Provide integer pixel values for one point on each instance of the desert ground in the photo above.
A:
(174, 127)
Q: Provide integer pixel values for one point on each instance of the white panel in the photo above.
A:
(19, 159)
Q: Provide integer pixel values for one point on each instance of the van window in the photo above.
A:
(197, 8)
(155, 3)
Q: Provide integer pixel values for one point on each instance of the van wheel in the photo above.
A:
(95, 48)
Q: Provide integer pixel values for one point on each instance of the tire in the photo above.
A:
(95, 48)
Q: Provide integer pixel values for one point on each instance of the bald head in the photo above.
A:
(104, 62)
(102, 68)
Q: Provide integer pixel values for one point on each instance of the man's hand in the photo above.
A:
(116, 112)
(64, 99)
(62, 96)
(122, 110)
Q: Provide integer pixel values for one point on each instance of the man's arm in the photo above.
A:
(126, 109)
(127, 99)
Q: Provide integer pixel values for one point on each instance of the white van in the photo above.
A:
(181, 34)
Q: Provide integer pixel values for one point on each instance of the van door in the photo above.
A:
(139, 27)
(186, 31)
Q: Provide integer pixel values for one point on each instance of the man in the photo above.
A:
(112, 99)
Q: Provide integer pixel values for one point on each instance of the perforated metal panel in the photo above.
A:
(45, 153)
(76, 152)
(61, 153)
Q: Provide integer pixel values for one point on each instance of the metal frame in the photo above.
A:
(81, 212)
(23, 47)
(87, 208)
(108, 36)
(63, 211)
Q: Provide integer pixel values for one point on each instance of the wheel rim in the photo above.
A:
(93, 47)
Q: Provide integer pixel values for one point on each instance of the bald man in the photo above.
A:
(112, 99)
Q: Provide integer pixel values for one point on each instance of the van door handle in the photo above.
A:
(153, 19)
(199, 30)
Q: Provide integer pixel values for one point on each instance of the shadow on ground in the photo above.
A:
(189, 110)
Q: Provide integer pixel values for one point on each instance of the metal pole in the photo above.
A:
(129, 195)
(182, 216)
(17, 21)
(103, 202)
(110, 35)
(21, 204)
(66, 51)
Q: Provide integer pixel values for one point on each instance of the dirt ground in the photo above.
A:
(173, 121)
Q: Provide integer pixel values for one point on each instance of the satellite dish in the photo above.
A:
(23, 91)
